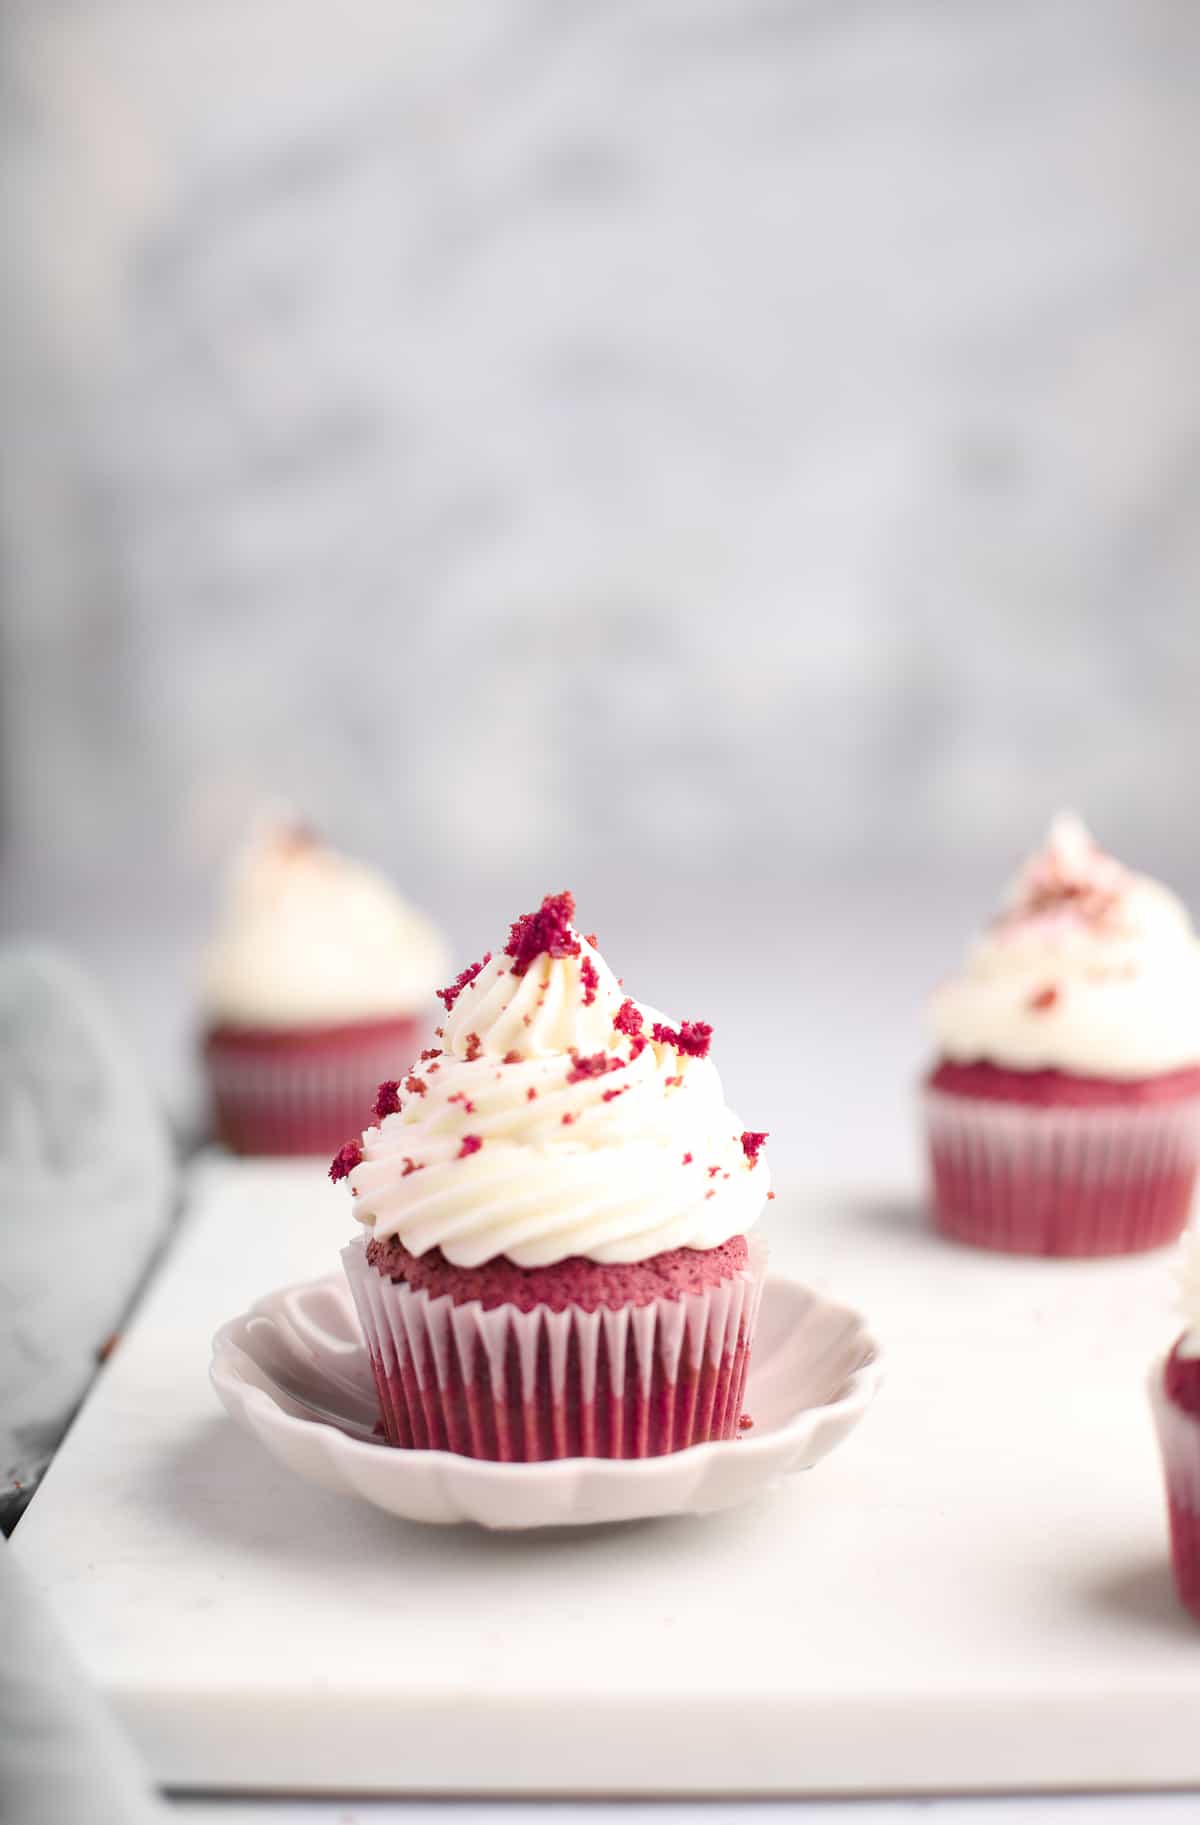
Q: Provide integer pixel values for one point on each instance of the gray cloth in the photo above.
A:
(62, 1759)
(87, 1179)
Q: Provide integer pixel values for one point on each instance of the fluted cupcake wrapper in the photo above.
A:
(306, 1094)
(1027, 1179)
(523, 1387)
(1179, 1441)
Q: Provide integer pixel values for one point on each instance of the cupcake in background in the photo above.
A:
(321, 978)
(1175, 1397)
(1063, 1108)
(556, 1202)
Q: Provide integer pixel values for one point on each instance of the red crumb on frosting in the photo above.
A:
(745, 1423)
(474, 1047)
(693, 1038)
(628, 1020)
(770, 1195)
(671, 1082)
(567, 1119)
(416, 1086)
(713, 1171)
(440, 1032)
(410, 1166)
(752, 1144)
(546, 932)
(1043, 1000)
(530, 1094)
(432, 1069)
(471, 1143)
(594, 1065)
(710, 1194)
(511, 1058)
(449, 996)
(610, 1094)
(387, 1100)
(345, 1160)
(461, 1097)
(589, 975)
(592, 939)
(432, 1052)
(687, 1159)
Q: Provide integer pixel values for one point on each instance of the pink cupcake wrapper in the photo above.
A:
(1179, 1441)
(307, 1101)
(526, 1386)
(1053, 1181)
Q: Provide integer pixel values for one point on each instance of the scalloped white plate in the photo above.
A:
(293, 1371)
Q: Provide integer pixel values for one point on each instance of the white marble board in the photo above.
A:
(971, 1594)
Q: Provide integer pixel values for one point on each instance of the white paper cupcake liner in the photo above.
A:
(1051, 1181)
(526, 1386)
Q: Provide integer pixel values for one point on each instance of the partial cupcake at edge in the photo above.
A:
(1063, 1107)
(320, 976)
(1175, 1397)
(556, 1205)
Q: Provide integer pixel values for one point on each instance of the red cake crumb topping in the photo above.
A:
(345, 1160)
(410, 1166)
(511, 1058)
(672, 1082)
(745, 1423)
(440, 1032)
(567, 1119)
(687, 1159)
(713, 1171)
(416, 1086)
(387, 1101)
(628, 1020)
(546, 932)
(474, 1047)
(460, 1096)
(471, 1143)
(592, 939)
(610, 1094)
(710, 1194)
(449, 996)
(594, 1065)
(530, 1094)
(432, 1069)
(752, 1144)
(693, 1038)
(770, 1196)
(1043, 1000)
(431, 1052)
(589, 975)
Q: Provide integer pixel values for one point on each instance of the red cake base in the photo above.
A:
(478, 1362)
(303, 1091)
(1176, 1400)
(1044, 1163)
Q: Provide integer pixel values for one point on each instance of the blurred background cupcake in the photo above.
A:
(1175, 1397)
(319, 984)
(1063, 1109)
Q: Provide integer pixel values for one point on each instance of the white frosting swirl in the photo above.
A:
(1089, 969)
(641, 1157)
(310, 938)
(1189, 1291)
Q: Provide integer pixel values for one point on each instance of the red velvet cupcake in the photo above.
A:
(1175, 1397)
(1063, 1112)
(321, 980)
(556, 1199)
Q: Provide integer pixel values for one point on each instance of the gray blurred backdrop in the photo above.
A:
(735, 457)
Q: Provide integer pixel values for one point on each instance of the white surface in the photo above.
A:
(973, 1593)
(297, 1359)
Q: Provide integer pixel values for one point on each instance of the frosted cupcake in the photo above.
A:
(1063, 1110)
(556, 1204)
(320, 979)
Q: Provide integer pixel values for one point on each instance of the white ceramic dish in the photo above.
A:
(293, 1371)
